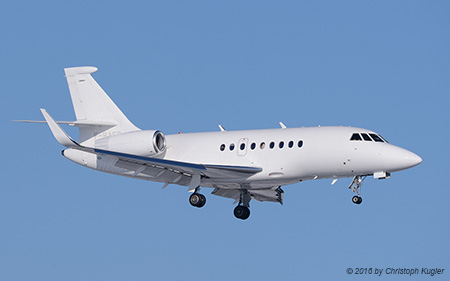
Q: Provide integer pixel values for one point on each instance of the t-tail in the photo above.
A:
(96, 113)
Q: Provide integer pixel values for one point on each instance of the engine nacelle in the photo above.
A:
(142, 143)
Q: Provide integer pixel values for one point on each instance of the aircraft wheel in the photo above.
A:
(197, 200)
(202, 201)
(357, 200)
(241, 212)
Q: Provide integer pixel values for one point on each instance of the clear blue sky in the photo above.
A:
(189, 66)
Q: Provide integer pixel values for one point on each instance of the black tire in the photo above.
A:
(197, 200)
(202, 201)
(241, 212)
(194, 199)
(359, 200)
(246, 213)
(355, 199)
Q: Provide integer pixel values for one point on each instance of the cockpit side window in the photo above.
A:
(383, 138)
(376, 138)
(366, 137)
(356, 137)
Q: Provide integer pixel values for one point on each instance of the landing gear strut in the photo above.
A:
(197, 200)
(242, 210)
(356, 187)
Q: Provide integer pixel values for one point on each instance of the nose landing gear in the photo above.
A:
(356, 187)
(356, 199)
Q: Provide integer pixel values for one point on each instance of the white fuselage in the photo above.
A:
(324, 152)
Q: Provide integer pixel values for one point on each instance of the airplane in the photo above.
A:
(241, 165)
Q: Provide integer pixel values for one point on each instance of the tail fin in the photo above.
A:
(93, 106)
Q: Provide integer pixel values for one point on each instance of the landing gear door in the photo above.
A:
(242, 147)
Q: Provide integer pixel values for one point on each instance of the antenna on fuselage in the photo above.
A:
(221, 128)
(282, 125)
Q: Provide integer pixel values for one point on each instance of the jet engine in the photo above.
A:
(142, 143)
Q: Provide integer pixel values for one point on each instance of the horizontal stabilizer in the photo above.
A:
(79, 123)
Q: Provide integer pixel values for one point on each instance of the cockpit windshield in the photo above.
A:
(376, 138)
(356, 137)
(367, 137)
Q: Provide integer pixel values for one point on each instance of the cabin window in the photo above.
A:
(262, 145)
(291, 144)
(222, 147)
(376, 138)
(253, 146)
(281, 145)
(242, 147)
(232, 147)
(356, 137)
(272, 145)
(300, 143)
(366, 137)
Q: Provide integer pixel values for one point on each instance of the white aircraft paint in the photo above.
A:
(242, 165)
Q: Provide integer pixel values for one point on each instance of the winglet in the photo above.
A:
(58, 133)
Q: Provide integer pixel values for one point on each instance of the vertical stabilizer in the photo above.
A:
(93, 105)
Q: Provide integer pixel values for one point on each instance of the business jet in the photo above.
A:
(241, 165)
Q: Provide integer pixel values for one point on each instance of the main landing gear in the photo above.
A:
(197, 200)
(356, 187)
(242, 210)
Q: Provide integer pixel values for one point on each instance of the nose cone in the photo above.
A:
(396, 158)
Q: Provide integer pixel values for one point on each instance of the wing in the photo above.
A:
(193, 170)
(211, 171)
